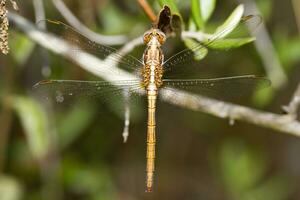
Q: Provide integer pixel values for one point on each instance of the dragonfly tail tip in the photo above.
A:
(149, 189)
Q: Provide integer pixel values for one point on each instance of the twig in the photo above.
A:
(39, 16)
(283, 123)
(129, 46)
(296, 6)
(266, 49)
(148, 10)
(39, 13)
(293, 106)
(96, 37)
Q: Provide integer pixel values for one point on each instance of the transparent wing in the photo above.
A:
(67, 91)
(215, 41)
(221, 88)
(82, 43)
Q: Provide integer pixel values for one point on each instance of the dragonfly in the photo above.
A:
(151, 80)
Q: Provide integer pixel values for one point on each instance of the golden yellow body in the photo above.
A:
(152, 80)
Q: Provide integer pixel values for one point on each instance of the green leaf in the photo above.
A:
(288, 50)
(230, 43)
(207, 8)
(94, 182)
(172, 5)
(192, 25)
(242, 166)
(22, 47)
(202, 10)
(72, 124)
(230, 23)
(34, 121)
(198, 54)
(197, 15)
(263, 96)
(110, 14)
(277, 187)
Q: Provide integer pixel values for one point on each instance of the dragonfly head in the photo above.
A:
(156, 35)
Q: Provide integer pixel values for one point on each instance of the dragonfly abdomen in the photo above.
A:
(151, 139)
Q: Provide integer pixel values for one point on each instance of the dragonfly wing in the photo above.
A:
(81, 43)
(69, 91)
(198, 50)
(221, 88)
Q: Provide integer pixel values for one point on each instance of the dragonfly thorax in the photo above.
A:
(153, 59)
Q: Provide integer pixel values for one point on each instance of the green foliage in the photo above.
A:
(243, 170)
(22, 46)
(207, 8)
(288, 50)
(94, 183)
(111, 15)
(275, 188)
(197, 15)
(199, 54)
(241, 166)
(230, 23)
(172, 5)
(217, 40)
(73, 123)
(34, 120)
(230, 43)
(201, 11)
(263, 96)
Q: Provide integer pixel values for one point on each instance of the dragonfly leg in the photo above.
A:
(125, 133)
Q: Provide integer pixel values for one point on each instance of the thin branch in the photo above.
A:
(129, 46)
(283, 123)
(96, 37)
(265, 48)
(39, 16)
(39, 13)
(148, 10)
(293, 106)
(296, 6)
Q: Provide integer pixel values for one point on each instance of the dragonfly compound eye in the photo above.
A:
(147, 37)
(161, 37)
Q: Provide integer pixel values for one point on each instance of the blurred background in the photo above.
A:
(77, 152)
